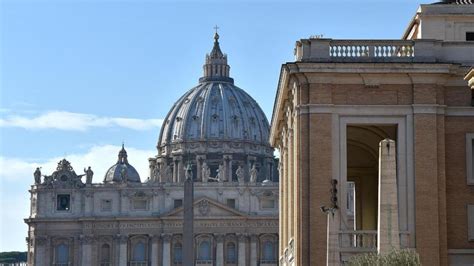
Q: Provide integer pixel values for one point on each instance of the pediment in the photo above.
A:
(206, 207)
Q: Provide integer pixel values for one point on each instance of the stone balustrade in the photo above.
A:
(423, 51)
(360, 240)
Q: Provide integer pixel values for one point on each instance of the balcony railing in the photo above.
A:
(329, 50)
(358, 241)
(380, 49)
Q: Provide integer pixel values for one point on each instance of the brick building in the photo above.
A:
(387, 127)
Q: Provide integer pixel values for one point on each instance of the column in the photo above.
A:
(199, 160)
(242, 249)
(166, 249)
(219, 249)
(122, 240)
(180, 170)
(387, 224)
(86, 246)
(155, 239)
(229, 168)
(175, 170)
(253, 250)
(41, 251)
(151, 166)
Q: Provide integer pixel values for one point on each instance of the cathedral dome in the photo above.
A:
(122, 171)
(215, 109)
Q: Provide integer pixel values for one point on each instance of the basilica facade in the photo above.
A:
(217, 130)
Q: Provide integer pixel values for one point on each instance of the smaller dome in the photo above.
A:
(122, 171)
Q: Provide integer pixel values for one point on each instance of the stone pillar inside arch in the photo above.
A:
(166, 249)
(388, 235)
(220, 249)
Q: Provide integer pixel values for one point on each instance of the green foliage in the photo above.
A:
(12, 257)
(395, 257)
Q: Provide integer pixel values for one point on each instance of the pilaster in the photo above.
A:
(242, 249)
(253, 250)
(155, 239)
(219, 249)
(166, 238)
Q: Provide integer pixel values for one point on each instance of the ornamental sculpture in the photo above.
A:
(37, 175)
(253, 174)
(89, 174)
(206, 172)
(240, 174)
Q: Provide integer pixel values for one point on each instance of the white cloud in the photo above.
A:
(16, 176)
(63, 120)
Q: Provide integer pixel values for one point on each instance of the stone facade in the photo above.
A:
(218, 131)
(338, 101)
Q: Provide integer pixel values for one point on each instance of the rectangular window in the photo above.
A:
(140, 204)
(470, 222)
(63, 202)
(267, 203)
(470, 36)
(231, 203)
(178, 203)
(106, 205)
(469, 158)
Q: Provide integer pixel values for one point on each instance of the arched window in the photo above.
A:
(204, 250)
(62, 255)
(231, 255)
(268, 251)
(105, 255)
(178, 253)
(139, 252)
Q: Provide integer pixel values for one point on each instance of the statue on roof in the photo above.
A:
(37, 175)
(89, 173)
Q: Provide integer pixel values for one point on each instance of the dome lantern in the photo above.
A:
(216, 67)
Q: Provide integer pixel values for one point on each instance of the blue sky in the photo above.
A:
(79, 77)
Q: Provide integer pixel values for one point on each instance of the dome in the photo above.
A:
(217, 129)
(215, 109)
(122, 171)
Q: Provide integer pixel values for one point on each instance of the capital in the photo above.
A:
(219, 237)
(242, 237)
(166, 237)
